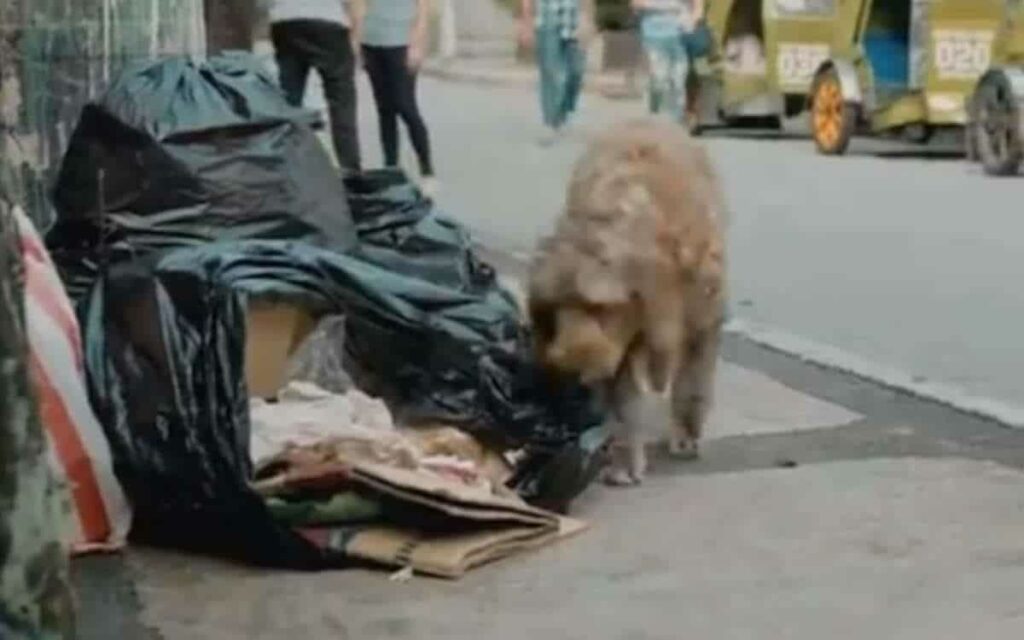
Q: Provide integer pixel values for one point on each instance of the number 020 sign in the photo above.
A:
(961, 54)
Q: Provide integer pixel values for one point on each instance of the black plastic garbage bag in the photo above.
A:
(401, 230)
(164, 362)
(181, 152)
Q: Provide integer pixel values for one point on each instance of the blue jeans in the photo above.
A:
(561, 63)
(669, 68)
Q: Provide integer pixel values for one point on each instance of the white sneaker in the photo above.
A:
(550, 137)
(429, 187)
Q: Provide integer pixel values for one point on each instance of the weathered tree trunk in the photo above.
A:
(229, 25)
(35, 595)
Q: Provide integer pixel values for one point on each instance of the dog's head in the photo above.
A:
(581, 310)
(586, 342)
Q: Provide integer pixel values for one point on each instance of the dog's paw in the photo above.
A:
(614, 477)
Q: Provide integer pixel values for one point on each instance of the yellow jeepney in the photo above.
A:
(764, 59)
(903, 67)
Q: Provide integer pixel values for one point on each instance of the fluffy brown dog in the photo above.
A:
(627, 295)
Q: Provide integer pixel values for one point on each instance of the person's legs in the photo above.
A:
(678, 72)
(403, 88)
(333, 59)
(576, 66)
(552, 75)
(292, 65)
(416, 126)
(377, 66)
(659, 65)
(691, 84)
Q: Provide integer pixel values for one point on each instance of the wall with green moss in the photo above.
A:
(63, 53)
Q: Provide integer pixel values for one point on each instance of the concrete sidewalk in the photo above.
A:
(822, 505)
(508, 71)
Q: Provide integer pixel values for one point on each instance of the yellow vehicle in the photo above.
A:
(995, 133)
(904, 67)
(764, 59)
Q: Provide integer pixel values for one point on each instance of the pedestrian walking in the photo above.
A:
(394, 47)
(322, 35)
(560, 31)
(665, 26)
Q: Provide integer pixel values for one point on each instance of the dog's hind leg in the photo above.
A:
(692, 393)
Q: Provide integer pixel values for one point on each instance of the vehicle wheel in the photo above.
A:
(832, 118)
(751, 123)
(996, 126)
(919, 134)
(971, 135)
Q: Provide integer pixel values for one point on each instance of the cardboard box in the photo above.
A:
(273, 333)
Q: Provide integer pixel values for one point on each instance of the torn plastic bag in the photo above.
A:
(181, 152)
(320, 359)
(401, 231)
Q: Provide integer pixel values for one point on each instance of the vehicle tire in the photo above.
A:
(832, 117)
(751, 123)
(920, 134)
(997, 128)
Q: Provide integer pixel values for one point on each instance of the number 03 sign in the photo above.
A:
(961, 54)
(797, 63)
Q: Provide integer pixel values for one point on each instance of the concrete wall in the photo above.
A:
(35, 595)
(483, 28)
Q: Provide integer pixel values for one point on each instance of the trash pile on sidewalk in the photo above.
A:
(360, 487)
(292, 369)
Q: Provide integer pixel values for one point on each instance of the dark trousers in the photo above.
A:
(301, 45)
(394, 91)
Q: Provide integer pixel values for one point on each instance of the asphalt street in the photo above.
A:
(902, 259)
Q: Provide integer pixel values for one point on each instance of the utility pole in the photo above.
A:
(448, 45)
(229, 25)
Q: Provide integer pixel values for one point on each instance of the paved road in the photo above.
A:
(910, 261)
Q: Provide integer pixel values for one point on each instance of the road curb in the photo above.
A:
(602, 85)
(513, 265)
(835, 359)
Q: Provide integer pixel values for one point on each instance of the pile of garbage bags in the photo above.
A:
(191, 188)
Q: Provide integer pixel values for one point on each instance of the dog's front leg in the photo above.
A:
(632, 409)
(628, 465)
